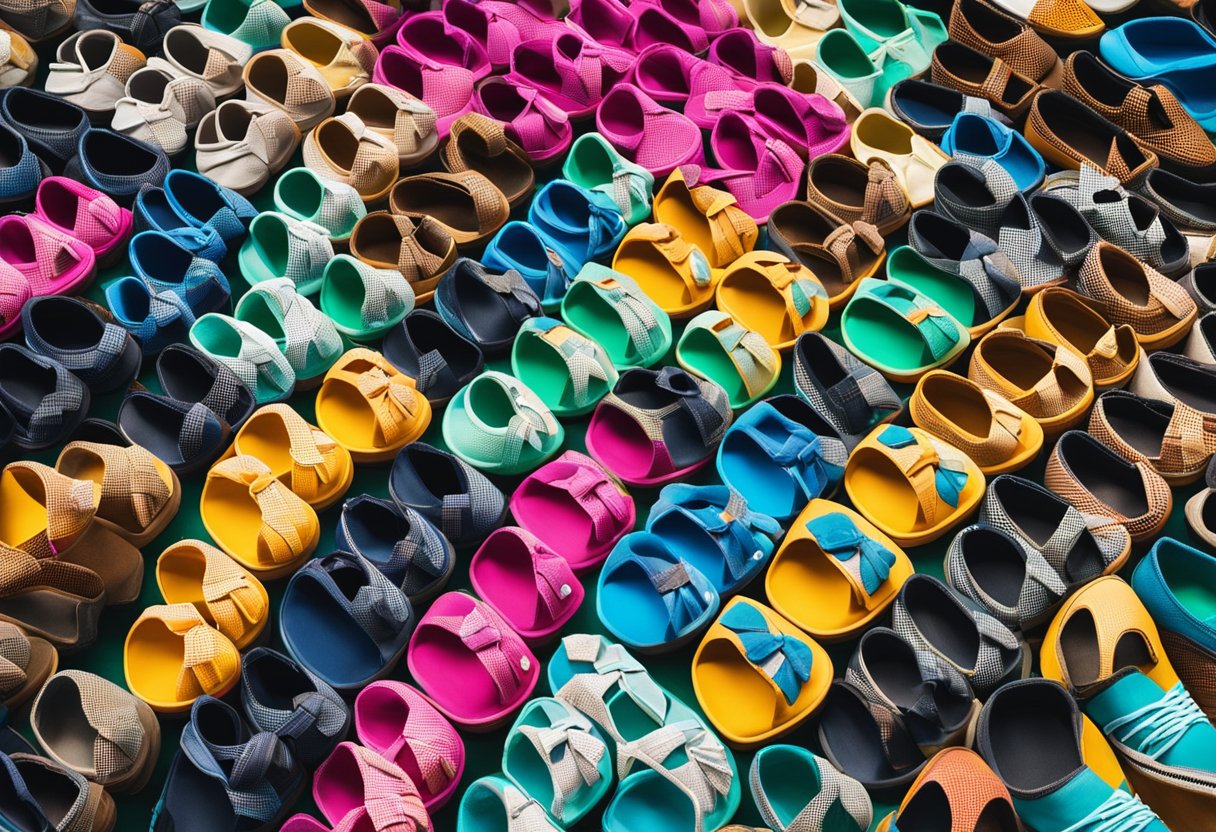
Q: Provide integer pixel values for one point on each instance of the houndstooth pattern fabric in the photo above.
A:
(309, 336)
(985, 173)
(569, 748)
(15, 653)
(133, 493)
(998, 646)
(286, 519)
(318, 711)
(69, 508)
(1041, 586)
(851, 406)
(112, 713)
(834, 789)
(1027, 248)
(983, 264)
(1106, 206)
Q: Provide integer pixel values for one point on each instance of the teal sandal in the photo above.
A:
(569, 372)
(978, 303)
(611, 309)
(364, 302)
(496, 423)
(306, 337)
(594, 164)
(797, 790)
(495, 804)
(716, 347)
(335, 206)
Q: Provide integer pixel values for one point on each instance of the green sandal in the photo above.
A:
(568, 371)
(364, 302)
(611, 309)
(715, 347)
(595, 165)
(978, 303)
(306, 337)
(496, 423)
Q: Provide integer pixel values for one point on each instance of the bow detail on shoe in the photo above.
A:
(785, 659)
(866, 561)
(918, 460)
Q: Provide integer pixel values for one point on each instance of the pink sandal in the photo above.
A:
(52, 260)
(355, 789)
(87, 214)
(398, 723)
(303, 823)
(526, 582)
(575, 507)
(471, 665)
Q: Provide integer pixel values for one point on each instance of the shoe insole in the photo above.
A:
(885, 338)
(507, 575)
(487, 313)
(272, 244)
(347, 411)
(508, 172)
(113, 155)
(654, 802)
(1034, 740)
(559, 519)
(996, 564)
(546, 372)
(997, 816)
(757, 305)
(740, 697)
(631, 452)
(448, 203)
(1115, 483)
(848, 730)
(1193, 583)
(769, 16)
(705, 356)
(1064, 228)
(451, 674)
(157, 426)
(1020, 362)
(593, 315)
(927, 811)
(1189, 385)
(325, 637)
(54, 793)
(655, 274)
(1081, 655)
(768, 487)
(637, 611)
(374, 529)
(343, 294)
(25, 512)
(784, 778)
(845, 57)
(944, 624)
(428, 474)
(842, 183)
(662, 71)
(952, 293)
(69, 732)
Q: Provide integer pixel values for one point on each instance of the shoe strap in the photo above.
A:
(601, 498)
(499, 649)
(285, 517)
(865, 562)
(231, 594)
(132, 490)
(612, 667)
(569, 750)
(705, 777)
(69, 506)
(635, 310)
(584, 359)
(936, 472)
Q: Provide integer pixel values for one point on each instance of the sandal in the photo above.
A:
(851, 396)
(853, 191)
(580, 225)
(757, 676)
(1061, 316)
(770, 295)
(593, 163)
(674, 271)
(455, 497)
(344, 621)
(569, 372)
(355, 788)
(188, 375)
(484, 306)
(835, 572)
(257, 519)
(139, 494)
(467, 206)
(226, 595)
(977, 295)
(611, 309)
(172, 657)
(1048, 381)
(83, 338)
(658, 426)
(52, 600)
(717, 348)
(480, 144)
(838, 254)
(26, 662)
(46, 400)
(422, 251)
(575, 507)
(496, 803)
(437, 357)
(370, 408)
(470, 664)
(707, 217)
(793, 788)
(186, 437)
(528, 584)
(279, 694)
(249, 353)
(911, 486)
(519, 246)
(398, 541)
(497, 424)
(301, 332)
(900, 331)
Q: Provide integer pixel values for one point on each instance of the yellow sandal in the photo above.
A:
(767, 293)
(226, 595)
(172, 657)
(371, 408)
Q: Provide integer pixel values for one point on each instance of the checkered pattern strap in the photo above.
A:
(133, 492)
(48, 419)
(15, 653)
(523, 813)
(569, 749)
(259, 360)
(834, 789)
(612, 669)
(112, 714)
(308, 334)
(69, 504)
(247, 770)
(390, 798)
(20, 571)
(895, 723)
(733, 232)
(209, 659)
(496, 646)
(1041, 586)
(981, 264)
(477, 507)
(530, 424)
(316, 459)
(427, 737)
(704, 777)
(232, 595)
(418, 558)
(286, 519)
(637, 313)
(164, 309)
(1108, 208)
(386, 294)
(860, 398)
(321, 708)
(584, 359)
(703, 401)
(98, 359)
(596, 493)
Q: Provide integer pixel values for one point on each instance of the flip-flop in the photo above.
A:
(398, 541)
(316, 468)
(610, 308)
(398, 723)
(471, 665)
(657, 426)
(767, 293)
(531, 586)
(568, 371)
(780, 454)
(344, 621)
(910, 485)
(172, 657)
(835, 572)
(716, 347)
(370, 408)
(496, 423)
(575, 507)
(757, 676)
(652, 599)
(226, 595)
(256, 519)
(673, 271)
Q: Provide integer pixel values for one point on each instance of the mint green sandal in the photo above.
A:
(364, 302)
(558, 758)
(306, 337)
(717, 348)
(335, 206)
(899, 331)
(247, 351)
(611, 309)
(496, 423)
(842, 57)
(977, 302)
(595, 165)
(282, 246)
(568, 371)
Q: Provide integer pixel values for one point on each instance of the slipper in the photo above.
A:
(172, 657)
(688, 781)
(154, 319)
(140, 494)
(761, 172)
(575, 507)
(421, 251)
(480, 144)
(793, 788)
(519, 246)
(226, 595)
(766, 293)
(1012, 582)
(370, 408)
(531, 586)
(779, 455)
(257, 519)
(314, 467)
(189, 375)
(673, 271)
(345, 621)
(90, 725)
(998, 436)
(851, 191)
(977, 295)
(900, 331)
(559, 759)
(52, 516)
(299, 330)
(716, 532)
(707, 217)
(398, 723)
(835, 572)
(911, 486)
(467, 206)
(47, 401)
(356, 788)
(651, 598)
(657, 426)
(437, 357)
(878, 136)
(594, 164)
(279, 693)
(484, 306)
(304, 195)
(839, 254)
(455, 497)
(717, 348)
(248, 352)
(281, 246)
(398, 541)
(495, 803)
(568, 371)
(83, 337)
(611, 309)
(496, 423)
(580, 225)
(470, 664)
(1061, 316)
(645, 132)
(757, 676)
(850, 396)
(52, 600)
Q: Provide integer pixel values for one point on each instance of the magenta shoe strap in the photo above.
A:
(595, 493)
(555, 581)
(431, 741)
(497, 647)
(390, 798)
